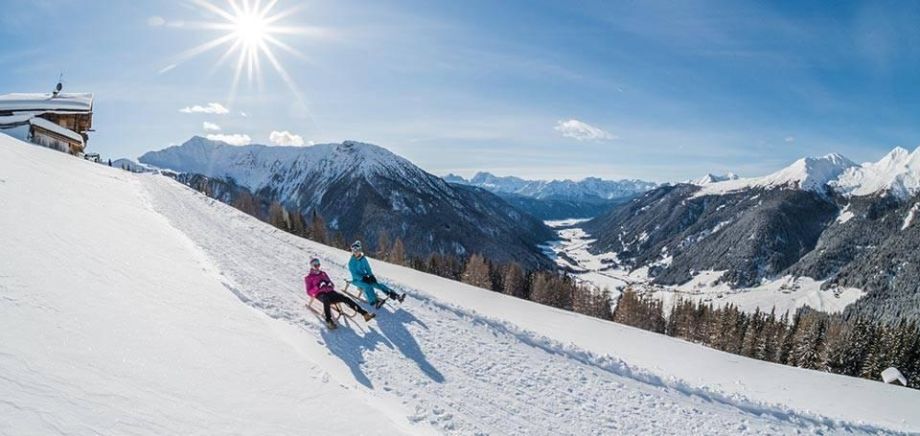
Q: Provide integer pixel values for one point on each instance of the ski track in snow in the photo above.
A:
(444, 366)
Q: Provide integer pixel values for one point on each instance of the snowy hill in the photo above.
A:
(130, 304)
(363, 190)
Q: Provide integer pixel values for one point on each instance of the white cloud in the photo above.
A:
(210, 126)
(211, 108)
(789, 139)
(156, 21)
(285, 138)
(582, 131)
(234, 139)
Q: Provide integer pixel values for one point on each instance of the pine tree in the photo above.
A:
(592, 302)
(276, 215)
(809, 341)
(541, 290)
(246, 203)
(297, 224)
(318, 228)
(383, 246)
(398, 253)
(477, 273)
(515, 284)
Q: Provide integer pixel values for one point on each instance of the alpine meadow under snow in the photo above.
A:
(131, 304)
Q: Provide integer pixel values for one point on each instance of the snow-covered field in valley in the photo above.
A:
(130, 304)
(784, 294)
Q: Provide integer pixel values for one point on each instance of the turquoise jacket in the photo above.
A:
(359, 267)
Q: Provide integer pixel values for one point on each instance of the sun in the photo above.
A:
(250, 28)
(250, 31)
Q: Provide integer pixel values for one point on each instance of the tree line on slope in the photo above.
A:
(854, 345)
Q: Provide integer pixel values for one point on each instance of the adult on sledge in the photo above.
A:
(320, 287)
(363, 278)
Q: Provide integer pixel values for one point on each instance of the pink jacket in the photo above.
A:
(317, 282)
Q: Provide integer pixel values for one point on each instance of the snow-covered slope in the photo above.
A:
(713, 178)
(810, 173)
(897, 173)
(114, 322)
(131, 304)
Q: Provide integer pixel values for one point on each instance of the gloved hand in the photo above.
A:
(369, 279)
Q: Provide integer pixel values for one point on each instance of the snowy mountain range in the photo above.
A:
(588, 189)
(557, 199)
(363, 190)
(131, 304)
(850, 225)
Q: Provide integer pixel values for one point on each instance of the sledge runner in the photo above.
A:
(363, 278)
(320, 287)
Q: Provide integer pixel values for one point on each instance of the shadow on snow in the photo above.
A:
(393, 333)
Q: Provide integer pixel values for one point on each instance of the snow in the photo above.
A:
(909, 218)
(130, 165)
(152, 309)
(604, 271)
(9, 120)
(590, 187)
(54, 127)
(811, 173)
(285, 168)
(114, 322)
(713, 178)
(35, 120)
(65, 102)
(891, 375)
(784, 294)
(845, 215)
(897, 173)
(590, 269)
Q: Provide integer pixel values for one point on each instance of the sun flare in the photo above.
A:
(250, 33)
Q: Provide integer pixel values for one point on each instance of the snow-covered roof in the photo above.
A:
(11, 120)
(52, 127)
(65, 102)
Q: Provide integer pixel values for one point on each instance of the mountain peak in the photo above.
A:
(256, 166)
(713, 178)
(808, 173)
(897, 173)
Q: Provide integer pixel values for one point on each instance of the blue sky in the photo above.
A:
(662, 91)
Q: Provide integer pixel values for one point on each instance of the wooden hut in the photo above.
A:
(57, 120)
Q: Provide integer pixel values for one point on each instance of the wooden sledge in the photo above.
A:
(337, 310)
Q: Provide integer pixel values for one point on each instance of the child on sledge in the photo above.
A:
(363, 278)
(319, 286)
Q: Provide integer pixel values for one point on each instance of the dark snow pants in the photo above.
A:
(332, 297)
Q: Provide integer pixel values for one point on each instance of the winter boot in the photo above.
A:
(331, 324)
(401, 297)
(368, 316)
(380, 302)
